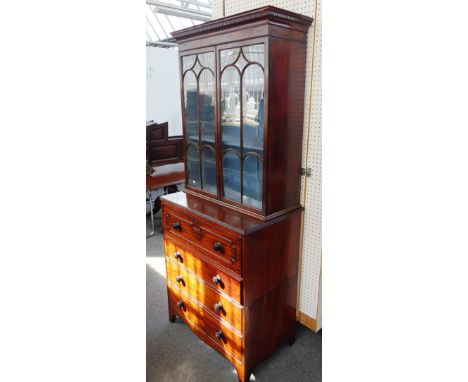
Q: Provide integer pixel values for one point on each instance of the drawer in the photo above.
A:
(224, 283)
(198, 319)
(211, 299)
(216, 241)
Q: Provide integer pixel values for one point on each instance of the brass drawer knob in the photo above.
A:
(219, 334)
(179, 278)
(217, 279)
(177, 255)
(218, 306)
(177, 226)
(217, 246)
(180, 304)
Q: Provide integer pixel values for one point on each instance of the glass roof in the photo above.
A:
(166, 16)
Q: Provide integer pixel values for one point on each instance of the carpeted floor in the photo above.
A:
(175, 354)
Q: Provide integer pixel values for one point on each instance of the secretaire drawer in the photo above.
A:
(218, 304)
(212, 275)
(221, 244)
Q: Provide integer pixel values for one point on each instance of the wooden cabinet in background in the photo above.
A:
(232, 238)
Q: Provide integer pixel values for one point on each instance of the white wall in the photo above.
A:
(163, 88)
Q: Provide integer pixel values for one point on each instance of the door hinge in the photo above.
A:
(306, 172)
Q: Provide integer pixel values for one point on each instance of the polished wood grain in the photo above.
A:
(228, 310)
(287, 88)
(268, 278)
(210, 211)
(229, 343)
(273, 252)
(192, 261)
(283, 34)
(270, 321)
(254, 251)
(224, 246)
(160, 148)
(266, 21)
(266, 13)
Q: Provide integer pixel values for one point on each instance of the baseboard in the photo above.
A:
(307, 321)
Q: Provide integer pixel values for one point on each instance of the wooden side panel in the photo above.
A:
(285, 123)
(270, 321)
(271, 256)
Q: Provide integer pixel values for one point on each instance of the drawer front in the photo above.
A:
(207, 272)
(229, 343)
(216, 241)
(211, 299)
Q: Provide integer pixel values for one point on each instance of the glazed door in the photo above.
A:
(241, 108)
(199, 97)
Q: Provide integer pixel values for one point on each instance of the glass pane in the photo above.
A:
(207, 60)
(241, 62)
(253, 109)
(255, 53)
(252, 181)
(230, 108)
(231, 176)
(193, 166)
(207, 100)
(187, 62)
(190, 98)
(209, 170)
(228, 57)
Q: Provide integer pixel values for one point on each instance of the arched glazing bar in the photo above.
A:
(242, 123)
(199, 119)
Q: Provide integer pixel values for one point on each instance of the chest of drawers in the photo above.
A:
(231, 278)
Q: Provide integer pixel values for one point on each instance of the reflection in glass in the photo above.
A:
(230, 108)
(191, 115)
(255, 53)
(252, 181)
(252, 108)
(199, 102)
(187, 62)
(207, 102)
(207, 60)
(228, 57)
(251, 99)
(193, 166)
(197, 68)
(231, 176)
(241, 62)
(208, 170)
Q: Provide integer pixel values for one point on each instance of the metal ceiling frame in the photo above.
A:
(163, 15)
